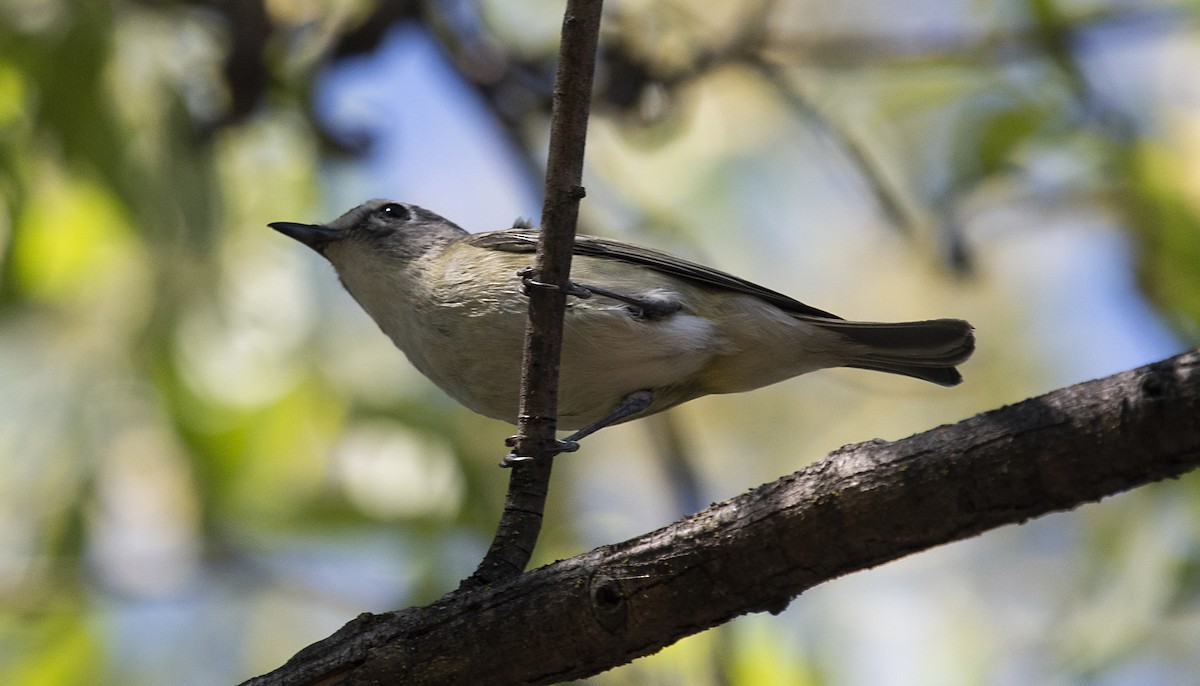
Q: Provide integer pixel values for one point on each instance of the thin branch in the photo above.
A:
(517, 533)
(862, 506)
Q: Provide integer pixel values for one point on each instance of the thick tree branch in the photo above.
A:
(862, 506)
(521, 521)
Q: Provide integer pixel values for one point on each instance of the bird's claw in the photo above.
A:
(512, 459)
(528, 282)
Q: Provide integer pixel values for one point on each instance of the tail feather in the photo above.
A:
(927, 350)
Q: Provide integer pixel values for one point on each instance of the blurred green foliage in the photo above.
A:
(208, 458)
(1166, 222)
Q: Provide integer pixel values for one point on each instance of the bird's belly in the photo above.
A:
(607, 354)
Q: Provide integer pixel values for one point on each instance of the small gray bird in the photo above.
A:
(648, 332)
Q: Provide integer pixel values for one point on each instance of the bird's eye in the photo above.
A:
(395, 211)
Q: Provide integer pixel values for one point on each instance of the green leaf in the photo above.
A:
(72, 242)
(57, 648)
(1167, 230)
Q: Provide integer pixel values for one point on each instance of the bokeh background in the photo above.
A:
(210, 457)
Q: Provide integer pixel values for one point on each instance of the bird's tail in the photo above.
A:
(927, 350)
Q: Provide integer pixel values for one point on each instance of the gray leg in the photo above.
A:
(632, 404)
(644, 307)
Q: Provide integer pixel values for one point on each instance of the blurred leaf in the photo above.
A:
(991, 129)
(1001, 134)
(262, 463)
(287, 447)
(72, 241)
(12, 95)
(763, 657)
(1167, 231)
(64, 58)
(902, 93)
(54, 649)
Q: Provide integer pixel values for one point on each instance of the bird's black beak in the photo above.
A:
(315, 236)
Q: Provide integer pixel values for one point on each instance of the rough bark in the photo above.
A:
(861, 506)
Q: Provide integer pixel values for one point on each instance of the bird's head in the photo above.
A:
(375, 230)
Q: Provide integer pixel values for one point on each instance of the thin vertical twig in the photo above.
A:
(521, 522)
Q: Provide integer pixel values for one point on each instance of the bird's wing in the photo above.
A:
(525, 241)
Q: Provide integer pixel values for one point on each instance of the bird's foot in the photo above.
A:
(512, 459)
(528, 283)
(630, 405)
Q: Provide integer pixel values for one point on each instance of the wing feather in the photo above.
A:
(525, 241)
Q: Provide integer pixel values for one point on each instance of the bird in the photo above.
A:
(645, 331)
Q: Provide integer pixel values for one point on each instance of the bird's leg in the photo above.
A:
(644, 307)
(630, 405)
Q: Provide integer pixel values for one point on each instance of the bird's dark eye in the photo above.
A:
(395, 211)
